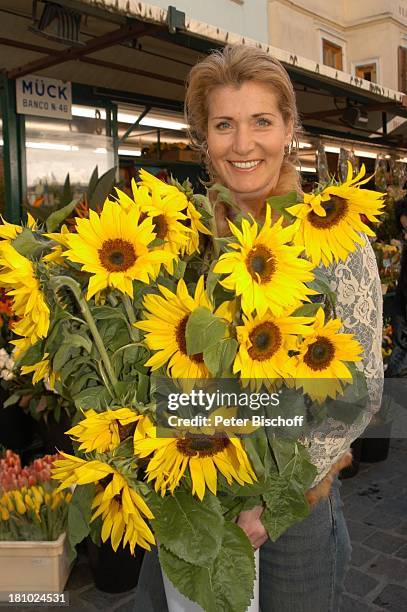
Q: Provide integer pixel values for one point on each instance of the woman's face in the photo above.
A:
(246, 138)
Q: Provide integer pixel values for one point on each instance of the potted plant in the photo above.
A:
(33, 519)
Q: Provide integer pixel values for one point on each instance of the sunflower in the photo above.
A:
(204, 455)
(167, 317)
(197, 227)
(319, 366)
(61, 238)
(122, 509)
(165, 212)
(40, 371)
(29, 305)
(9, 231)
(264, 343)
(193, 216)
(329, 224)
(114, 248)
(267, 272)
(103, 431)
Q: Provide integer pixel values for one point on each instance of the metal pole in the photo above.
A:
(13, 167)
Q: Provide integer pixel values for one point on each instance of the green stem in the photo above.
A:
(128, 306)
(66, 281)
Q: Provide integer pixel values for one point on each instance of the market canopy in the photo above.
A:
(142, 54)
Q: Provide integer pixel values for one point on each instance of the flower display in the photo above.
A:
(31, 508)
(167, 358)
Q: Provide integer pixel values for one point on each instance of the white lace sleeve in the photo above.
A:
(359, 305)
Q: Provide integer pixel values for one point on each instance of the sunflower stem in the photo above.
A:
(73, 285)
(128, 306)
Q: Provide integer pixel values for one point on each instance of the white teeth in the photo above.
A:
(248, 164)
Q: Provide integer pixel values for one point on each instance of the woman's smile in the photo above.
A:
(246, 166)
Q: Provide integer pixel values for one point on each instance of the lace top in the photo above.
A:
(359, 305)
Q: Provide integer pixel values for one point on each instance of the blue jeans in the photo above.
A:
(303, 571)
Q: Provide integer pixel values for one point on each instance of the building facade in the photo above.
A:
(367, 38)
(244, 17)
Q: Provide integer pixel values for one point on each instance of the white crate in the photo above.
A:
(34, 566)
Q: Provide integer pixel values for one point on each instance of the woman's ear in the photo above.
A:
(289, 132)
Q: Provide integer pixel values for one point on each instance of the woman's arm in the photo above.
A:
(357, 286)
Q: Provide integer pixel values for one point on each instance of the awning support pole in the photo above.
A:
(13, 160)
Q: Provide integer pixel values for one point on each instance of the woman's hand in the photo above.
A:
(250, 522)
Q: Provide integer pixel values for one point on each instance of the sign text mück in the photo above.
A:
(36, 95)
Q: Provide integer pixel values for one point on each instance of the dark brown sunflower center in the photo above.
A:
(335, 208)
(260, 264)
(266, 340)
(117, 255)
(125, 431)
(319, 354)
(182, 343)
(160, 226)
(203, 446)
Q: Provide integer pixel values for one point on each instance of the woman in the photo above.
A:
(242, 113)
(397, 365)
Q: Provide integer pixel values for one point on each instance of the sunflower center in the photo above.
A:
(319, 354)
(203, 446)
(260, 263)
(160, 226)
(335, 208)
(266, 340)
(182, 342)
(117, 255)
(125, 431)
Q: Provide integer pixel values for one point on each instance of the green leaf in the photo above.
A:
(257, 448)
(234, 571)
(66, 196)
(13, 399)
(193, 581)
(94, 397)
(58, 217)
(102, 189)
(61, 357)
(227, 584)
(203, 330)
(280, 203)
(189, 528)
(107, 312)
(81, 341)
(27, 244)
(32, 355)
(285, 505)
(219, 357)
(93, 181)
(79, 515)
(307, 310)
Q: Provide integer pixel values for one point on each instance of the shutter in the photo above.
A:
(402, 68)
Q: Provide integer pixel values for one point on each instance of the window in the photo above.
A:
(367, 72)
(402, 69)
(332, 54)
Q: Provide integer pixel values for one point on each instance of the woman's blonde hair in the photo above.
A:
(234, 65)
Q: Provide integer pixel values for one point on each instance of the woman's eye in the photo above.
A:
(223, 125)
(262, 122)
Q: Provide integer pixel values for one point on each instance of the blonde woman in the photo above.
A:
(242, 113)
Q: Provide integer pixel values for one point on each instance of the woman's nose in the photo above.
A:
(243, 141)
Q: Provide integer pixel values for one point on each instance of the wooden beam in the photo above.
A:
(134, 29)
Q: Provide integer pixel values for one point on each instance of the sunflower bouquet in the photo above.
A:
(133, 322)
